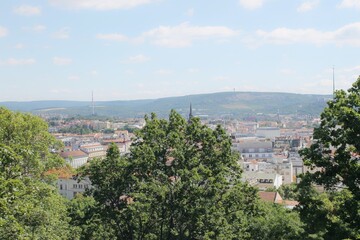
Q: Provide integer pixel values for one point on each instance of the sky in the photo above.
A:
(141, 49)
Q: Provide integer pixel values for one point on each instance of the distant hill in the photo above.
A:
(214, 104)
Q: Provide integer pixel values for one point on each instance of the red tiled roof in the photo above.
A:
(272, 197)
(267, 196)
(64, 172)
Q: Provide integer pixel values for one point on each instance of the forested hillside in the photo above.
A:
(216, 104)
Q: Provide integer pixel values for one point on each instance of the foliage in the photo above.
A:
(276, 222)
(129, 129)
(85, 217)
(180, 181)
(29, 208)
(108, 130)
(335, 158)
(188, 174)
(28, 137)
(78, 129)
(288, 191)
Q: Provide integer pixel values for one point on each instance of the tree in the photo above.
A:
(180, 181)
(276, 222)
(29, 207)
(86, 219)
(29, 138)
(335, 158)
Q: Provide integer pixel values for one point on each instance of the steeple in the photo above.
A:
(190, 114)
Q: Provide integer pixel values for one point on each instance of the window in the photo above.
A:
(74, 185)
(60, 187)
(80, 186)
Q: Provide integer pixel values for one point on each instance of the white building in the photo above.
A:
(254, 149)
(70, 186)
(263, 180)
(283, 168)
(75, 158)
(268, 132)
(94, 150)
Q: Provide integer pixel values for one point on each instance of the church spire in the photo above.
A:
(190, 114)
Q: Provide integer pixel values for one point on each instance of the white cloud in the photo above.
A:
(190, 12)
(308, 6)
(38, 28)
(27, 10)
(62, 33)
(251, 4)
(100, 4)
(3, 31)
(287, 71)
(138, 59)
(19, 46)
(163, 72)
(346, 35)
(193, 70)
(62, 61)
(184, 34)
(60, 91)
(18, 62)
(112, 37)
(221, 78)
(73, 78)
(349, 4)
(94, 72)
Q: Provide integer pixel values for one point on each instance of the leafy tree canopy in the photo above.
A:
(180, 181)
(335, 158)
(29, 207)
(29, 138)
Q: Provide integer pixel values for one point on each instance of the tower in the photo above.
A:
(190, 113)
(333, 82)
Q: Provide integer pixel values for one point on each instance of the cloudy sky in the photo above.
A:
(136, 49)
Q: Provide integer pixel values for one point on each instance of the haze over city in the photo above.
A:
(138, 49)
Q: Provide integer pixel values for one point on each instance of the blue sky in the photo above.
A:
(138, 49)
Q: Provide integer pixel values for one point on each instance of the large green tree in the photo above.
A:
(180, 181)
(28, 137)
(29, 207)
(335, 158)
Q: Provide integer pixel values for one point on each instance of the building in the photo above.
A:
(94, 150)
(263, 180)
(69, 186)
(268, 132)
(254, 149)
(274, 166)
(75, 158)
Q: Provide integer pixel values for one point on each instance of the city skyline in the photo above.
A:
(146, 49)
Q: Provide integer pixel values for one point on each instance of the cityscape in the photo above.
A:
(158, 119)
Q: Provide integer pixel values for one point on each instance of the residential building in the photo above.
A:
(75, 158)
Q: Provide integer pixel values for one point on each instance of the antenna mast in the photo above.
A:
(333, 82)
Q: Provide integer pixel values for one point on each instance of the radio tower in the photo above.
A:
(333, 82)
(92, 103)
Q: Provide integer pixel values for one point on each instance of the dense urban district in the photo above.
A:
(275, 176)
